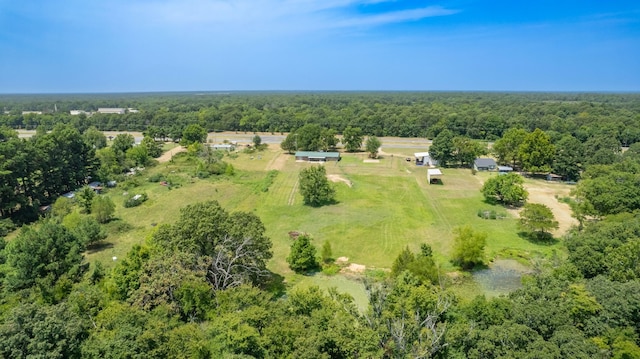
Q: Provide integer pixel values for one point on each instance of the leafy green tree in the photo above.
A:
(61, 207)
(125, 277)
(606, 190)
(88, 230)
(310, 138)
(352, 138)
(569, 158)
(138, 155)
(193, 133)
(173, 279)
(154, 149)
(235, 245)
(536, 153)
(109, 165)
(508, 189)
(329, 139)
(85, 197)
(289, 144)
(590, 249)
(34, 331)
(94, 138)
(103, 208)
(442, 148)
(468, 247)
(506, 148)
(409, 317)
(121, 143)
(537, 218)
(601, 149)
(315, 187)
(372, 146)
(302, 257)
(44, 255)
(465, 150)
(402, 261)
(623, 262)
(421, 265)
(123, 331)
(257, 141)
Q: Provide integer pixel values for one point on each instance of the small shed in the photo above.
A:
(484, 164)
(505, 169)
(434, 175)
(424, 159)
(312, 156)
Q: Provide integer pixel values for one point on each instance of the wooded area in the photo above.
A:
(201, 288)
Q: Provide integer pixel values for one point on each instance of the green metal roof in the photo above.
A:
(318, 154)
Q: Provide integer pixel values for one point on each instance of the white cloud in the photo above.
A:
(279, 16)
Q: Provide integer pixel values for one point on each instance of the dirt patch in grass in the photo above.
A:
(338, 178)
(166, 157)
(354, 268)
(277, 163)
(545, 194)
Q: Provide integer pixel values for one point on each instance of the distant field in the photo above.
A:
(388, 206)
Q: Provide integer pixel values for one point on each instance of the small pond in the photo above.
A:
(502, 277)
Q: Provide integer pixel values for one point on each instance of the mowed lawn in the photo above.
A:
(388, 205)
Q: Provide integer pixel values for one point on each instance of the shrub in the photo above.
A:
(6, 226)
(156, 178)
(135, 200)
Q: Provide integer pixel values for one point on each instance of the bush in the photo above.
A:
(103, 208)
(6, 226)
(491, 214)
(135, 200)
(156, 178)
(130, 183)
(331, 269)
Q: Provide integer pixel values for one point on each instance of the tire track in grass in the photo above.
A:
(434, 204)
(292, 195)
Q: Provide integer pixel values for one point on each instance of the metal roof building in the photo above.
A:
(313, 156)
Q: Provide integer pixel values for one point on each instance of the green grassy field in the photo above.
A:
(388, 205)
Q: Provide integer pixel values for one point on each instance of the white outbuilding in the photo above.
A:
(434, 175)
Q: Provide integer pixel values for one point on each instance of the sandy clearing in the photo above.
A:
(338, 178)
(546, 195)
(166, 157)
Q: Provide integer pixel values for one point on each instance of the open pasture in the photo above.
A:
(381, 208)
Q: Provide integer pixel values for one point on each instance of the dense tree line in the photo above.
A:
(39, 169)
(474, 115)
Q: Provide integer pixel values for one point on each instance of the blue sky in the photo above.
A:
(197, 45)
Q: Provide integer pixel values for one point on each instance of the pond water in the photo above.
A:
(502, 277)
